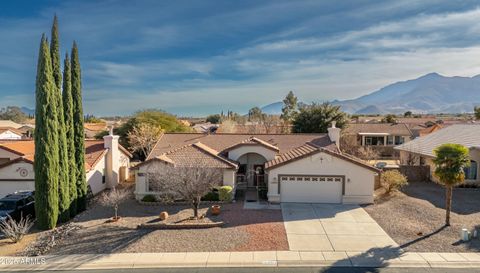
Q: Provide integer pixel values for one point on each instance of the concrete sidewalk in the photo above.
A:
(241, 259)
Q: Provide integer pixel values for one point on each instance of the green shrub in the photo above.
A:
(393, 181)
(211, 196)
(225, 193)
(149, 198)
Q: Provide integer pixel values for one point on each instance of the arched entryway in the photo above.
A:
(251, 173)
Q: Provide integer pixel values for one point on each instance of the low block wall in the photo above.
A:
(416, 173)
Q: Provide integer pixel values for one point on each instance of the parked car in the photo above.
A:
(18, 204)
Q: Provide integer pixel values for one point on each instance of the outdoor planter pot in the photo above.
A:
(216, 210)
(163, 215)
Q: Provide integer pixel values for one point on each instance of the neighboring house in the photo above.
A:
(290, 167)
(92, 129)
(381, 137)
(8, 123)
(106, 164)
(10, 134)
(420, 150)
(423, 130)
(206, 127)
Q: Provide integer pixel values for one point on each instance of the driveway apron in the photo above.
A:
(333, 227)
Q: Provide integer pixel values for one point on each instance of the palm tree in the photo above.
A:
(449, 162)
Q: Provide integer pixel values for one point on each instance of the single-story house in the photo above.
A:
(290, 167)
(8, 133)
(420, 150)
(106, 163)
(381, 137)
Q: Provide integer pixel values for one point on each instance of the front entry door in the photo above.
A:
(259, 175)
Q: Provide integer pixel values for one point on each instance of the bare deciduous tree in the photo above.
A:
(367, 153)
(186, 183)
(271, 124)
(113, 198)
(144, 137)
(228, 126)
(349, 144)
(14, 230)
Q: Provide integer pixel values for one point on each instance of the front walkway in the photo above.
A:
(242, 259)
(332, 227)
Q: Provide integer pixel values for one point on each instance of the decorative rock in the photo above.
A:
(163, 215)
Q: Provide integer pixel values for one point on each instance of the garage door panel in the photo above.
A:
(311, 189)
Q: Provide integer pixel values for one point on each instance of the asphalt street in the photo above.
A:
(277, 270)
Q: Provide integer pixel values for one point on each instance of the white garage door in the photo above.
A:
(311, 189)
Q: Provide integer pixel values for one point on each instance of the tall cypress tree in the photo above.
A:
(55, 54)
(68, 116)
(46, 142)
(79, 134)
(63, 173)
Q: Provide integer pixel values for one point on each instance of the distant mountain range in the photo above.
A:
(27, 110)
(431, 93)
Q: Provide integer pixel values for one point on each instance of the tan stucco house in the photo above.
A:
(290, 167)
(106, 163)
(420, 150)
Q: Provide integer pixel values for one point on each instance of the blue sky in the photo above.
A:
(199, 57)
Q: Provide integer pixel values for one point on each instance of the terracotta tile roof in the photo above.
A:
(94, 150)
(310, 149)
(24, 149)
(220, 142)
(292, 154)
(392, 129)
(252, 141)
(196, 155)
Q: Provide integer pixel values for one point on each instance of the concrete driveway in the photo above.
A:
(332, 227)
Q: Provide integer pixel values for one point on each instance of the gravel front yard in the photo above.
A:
(415, 218)
(244, 230)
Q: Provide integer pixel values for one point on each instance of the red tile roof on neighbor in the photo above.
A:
(94, 151)
(221, 142)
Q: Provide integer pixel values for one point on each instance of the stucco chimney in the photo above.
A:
(334, 134)
(112, 163)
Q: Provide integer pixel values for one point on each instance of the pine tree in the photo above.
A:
(69, 130)
(63, 173)
(79, 135)
(46, 142)
(290, 107)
